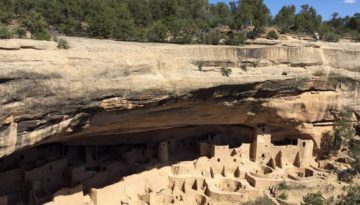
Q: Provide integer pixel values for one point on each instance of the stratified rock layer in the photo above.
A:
(101, 88)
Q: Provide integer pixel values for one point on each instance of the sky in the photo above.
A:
(324, 7)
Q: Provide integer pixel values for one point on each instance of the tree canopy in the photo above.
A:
(285, 19)
(307, 20)
(252, 12)
(178, 21)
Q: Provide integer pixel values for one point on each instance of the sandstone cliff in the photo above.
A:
(102, 87)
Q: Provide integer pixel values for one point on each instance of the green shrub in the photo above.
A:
(272, 35)
(330, 200)
(63, 44)
(344, 134)
(355, 153)
(34, 22)
(356, 164)
(42, 35)
(285, 186)
(243, 67)
(256, 62)
(357, 37)
(183, 38)
(260, 30)
(352, 197)
(212, 38)
(56, 38)
(260, 201)
(313, 199)
(235, 39)
(225, 71)
(20, 32)
(158, 32)
(344, 129)
(337, 141)
(255, 33)
(252, 35)
(346, 175)
(4, 32)
(330, 37)
(200, 66)
(283, 196)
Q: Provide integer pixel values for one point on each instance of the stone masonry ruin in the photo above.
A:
(202, 165)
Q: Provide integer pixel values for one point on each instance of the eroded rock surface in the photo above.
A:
(102, 87)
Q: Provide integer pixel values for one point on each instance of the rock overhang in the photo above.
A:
(106, 87)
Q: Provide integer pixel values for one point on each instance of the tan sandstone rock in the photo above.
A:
(102, 87)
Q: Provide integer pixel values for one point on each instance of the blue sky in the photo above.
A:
(324, 7)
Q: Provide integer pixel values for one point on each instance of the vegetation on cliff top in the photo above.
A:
(260, 201)
(178, 21)
(313, 199)
(352, 196)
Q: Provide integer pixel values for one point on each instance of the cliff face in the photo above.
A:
(101, 88)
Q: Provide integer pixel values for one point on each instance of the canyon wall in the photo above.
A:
(101, 88)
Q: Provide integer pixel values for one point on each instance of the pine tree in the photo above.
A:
(252, 13)
(307, 20)
(285, 19)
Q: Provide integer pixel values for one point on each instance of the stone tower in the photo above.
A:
(306, 152)
(163, 152)
(261, 142)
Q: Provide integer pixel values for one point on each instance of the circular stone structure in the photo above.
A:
(228, 185)
(229, 190)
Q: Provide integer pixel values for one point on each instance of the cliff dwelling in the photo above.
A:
(117, 123)
(204, 165)
(179, 102)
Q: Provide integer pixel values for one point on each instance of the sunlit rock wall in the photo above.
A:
(103, 87)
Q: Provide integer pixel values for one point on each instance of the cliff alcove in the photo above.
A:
(96, 163)
(165, 122)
